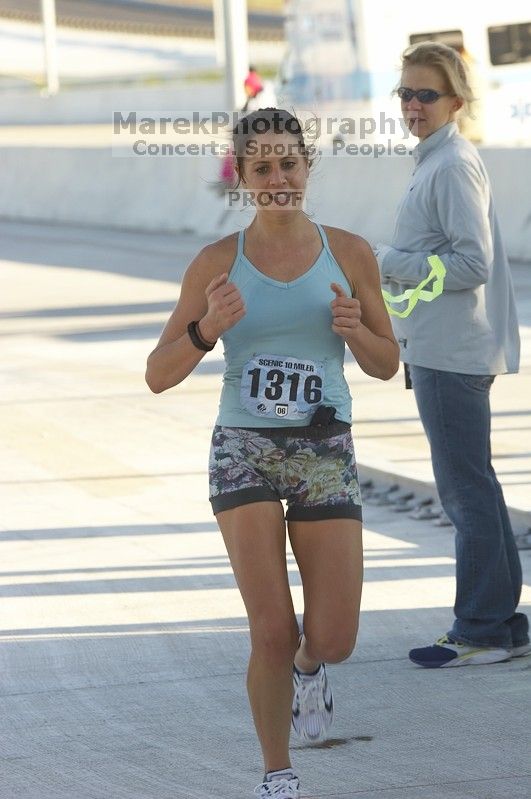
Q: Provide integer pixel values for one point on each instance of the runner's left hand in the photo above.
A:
(346, 312)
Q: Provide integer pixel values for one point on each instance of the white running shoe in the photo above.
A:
(279, 788)
(312, 710)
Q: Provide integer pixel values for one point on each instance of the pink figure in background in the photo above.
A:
(253, 86)
(227, 175)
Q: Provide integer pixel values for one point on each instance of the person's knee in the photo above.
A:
(468, 499)
(274, 639)
(328, 646)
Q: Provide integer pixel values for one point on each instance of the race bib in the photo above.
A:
(281, 387)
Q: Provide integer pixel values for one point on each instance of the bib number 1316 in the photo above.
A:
(277, 384)
(280, 386)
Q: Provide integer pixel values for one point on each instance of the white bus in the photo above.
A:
(343, 57)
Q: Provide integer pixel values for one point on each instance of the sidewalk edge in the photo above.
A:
(520, 519)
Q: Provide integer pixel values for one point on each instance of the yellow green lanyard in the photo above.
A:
(437, 274)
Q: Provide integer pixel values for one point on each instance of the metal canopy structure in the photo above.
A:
(50, 46)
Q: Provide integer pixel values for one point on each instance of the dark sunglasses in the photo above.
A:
(423, 95)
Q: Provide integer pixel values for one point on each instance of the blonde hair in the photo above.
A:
(449, 64)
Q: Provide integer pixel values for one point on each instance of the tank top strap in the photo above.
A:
(333, 259)
(241, 242)
(324, 239)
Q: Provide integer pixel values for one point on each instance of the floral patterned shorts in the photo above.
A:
(312, 468)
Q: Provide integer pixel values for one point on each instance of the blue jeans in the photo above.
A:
(455, 412)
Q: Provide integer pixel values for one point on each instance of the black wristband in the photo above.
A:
(197, 340)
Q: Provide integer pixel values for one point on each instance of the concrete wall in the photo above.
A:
(91, 187)
(510, 175)
(95, 105)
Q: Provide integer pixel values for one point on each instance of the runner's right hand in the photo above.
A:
(225, 308)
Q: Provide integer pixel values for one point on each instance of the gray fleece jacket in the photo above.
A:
(447, 210)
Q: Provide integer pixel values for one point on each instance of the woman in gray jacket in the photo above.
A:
(454, 347)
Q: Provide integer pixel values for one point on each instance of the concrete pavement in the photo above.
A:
(123, 639)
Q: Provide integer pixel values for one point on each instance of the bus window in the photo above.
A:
(451, 38)
(510, 44)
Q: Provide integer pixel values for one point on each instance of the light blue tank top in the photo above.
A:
(282, 359)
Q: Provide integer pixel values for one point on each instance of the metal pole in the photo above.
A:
(236, 51)
(219, 33)
(50, 46)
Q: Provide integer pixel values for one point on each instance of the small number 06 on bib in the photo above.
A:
(281, 386)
